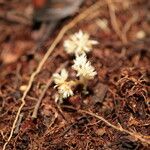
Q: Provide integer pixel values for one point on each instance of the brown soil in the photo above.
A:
(120, 93)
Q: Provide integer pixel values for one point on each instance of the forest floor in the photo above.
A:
(115, 115)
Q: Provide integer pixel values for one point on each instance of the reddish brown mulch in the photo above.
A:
(119, 93)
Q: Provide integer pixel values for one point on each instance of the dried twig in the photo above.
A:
(2, 134)
(16, 17)
(67, 27)
(35, 111)
(136, 135)
(52, 122)
(128, 25)
(19, 122)
(114, 21)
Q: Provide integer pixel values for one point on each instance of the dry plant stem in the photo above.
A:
(52, 122)
(129, 23)
(35, 111)
(16, 17)
(77, 19)
(119, 128)
(19, 122)
(2, 134)
(114, 21)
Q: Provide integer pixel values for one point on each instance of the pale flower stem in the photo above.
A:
(83, 81)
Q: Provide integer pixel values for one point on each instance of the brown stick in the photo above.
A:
(128, 25)
(19, 122)
(16, 17)
(114, 21)
(138, 136)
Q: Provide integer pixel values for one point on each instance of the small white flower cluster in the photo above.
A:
(64, 86)
(83, 67)
(78, 44)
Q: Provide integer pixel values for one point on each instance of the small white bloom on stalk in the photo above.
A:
(63, 86)
(85, 71)
(79, 43)
(65, 90)
(60, 78)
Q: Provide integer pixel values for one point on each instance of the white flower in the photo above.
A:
(63, 86)
(60, 78)
(65, 90)
(83, 67)
(79, 43)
